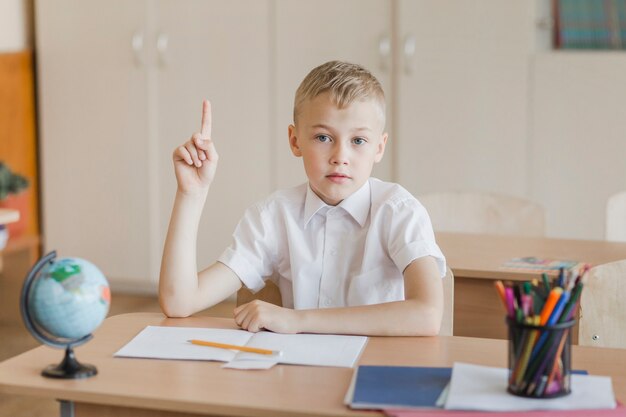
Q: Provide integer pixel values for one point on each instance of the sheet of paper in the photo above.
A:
(441, 401)
(159, 342)
(475, 387)
(614, 412)
(311, 349)
(249, 365)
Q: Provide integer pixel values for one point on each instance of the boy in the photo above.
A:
(351, 254)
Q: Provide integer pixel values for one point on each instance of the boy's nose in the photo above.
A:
(339, 156)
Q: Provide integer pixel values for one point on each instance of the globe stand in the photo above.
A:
(69, 368)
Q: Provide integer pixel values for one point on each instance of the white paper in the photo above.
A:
(312, 349)
(298, 349)
(249, 365)
(475, 387)
(158, 342)
(441, 400)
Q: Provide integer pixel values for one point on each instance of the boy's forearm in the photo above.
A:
(399, 318)
(178, 279)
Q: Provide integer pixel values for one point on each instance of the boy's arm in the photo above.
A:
(183, 291)
(418, 315)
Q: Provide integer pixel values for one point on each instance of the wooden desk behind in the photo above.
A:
(143, 387)
(476, 262)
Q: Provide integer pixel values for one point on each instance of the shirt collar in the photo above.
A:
(357, 205)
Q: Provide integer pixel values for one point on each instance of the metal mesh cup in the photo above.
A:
(539, 359)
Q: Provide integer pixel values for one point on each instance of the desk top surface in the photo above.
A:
(285, 390)
(482, 256)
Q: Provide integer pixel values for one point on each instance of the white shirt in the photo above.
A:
(322, 256)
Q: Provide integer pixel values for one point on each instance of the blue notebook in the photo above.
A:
(380, 387)
(400, 387)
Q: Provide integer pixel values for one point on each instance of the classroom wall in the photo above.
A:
(555, 121)
(15, 25)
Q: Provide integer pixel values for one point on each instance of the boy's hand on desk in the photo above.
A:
(195, 161)
(258, 315)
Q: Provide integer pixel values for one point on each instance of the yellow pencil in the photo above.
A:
(235, 347)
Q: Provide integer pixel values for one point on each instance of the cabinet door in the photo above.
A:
(462, 95)
(309, 33)
(217, 50)
(94, 171)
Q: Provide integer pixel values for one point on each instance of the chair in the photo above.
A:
(476, 212)
(447, 323)
(616, 217)
(602, 320)
(271, 294)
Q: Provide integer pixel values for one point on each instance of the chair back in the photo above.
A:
(616, 217)
(476, 212)
(602, 319)
(270, 293)
(447, 323)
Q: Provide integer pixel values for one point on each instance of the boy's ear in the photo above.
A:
(381, 148)
(293, 141)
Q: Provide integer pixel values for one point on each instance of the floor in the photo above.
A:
(14, 339)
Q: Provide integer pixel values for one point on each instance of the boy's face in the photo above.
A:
(339, 147)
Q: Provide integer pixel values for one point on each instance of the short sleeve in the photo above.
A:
(411, 235)
(251, 255)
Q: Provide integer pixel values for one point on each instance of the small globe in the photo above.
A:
(63, 301)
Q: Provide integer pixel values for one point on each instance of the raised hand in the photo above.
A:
(195, 161)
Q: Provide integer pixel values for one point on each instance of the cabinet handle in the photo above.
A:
(161, 46)
(384, 51)
(408, 49)
(136, 44)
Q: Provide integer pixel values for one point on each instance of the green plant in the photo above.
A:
(10, 183)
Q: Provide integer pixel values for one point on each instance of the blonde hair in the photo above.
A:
(344, 81)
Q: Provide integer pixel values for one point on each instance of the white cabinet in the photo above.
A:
(217, 50)
(462, 92)
(309, 33)
(120, 85)
(455, 75)
(94, 134)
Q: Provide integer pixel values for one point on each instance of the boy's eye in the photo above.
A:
(323, 138)
(358, 141)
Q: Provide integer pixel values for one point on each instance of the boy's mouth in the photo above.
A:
(338, 178)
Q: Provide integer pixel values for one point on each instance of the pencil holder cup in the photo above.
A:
(539, 359)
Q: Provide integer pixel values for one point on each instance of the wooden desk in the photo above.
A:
(476, 259)
(161, 388)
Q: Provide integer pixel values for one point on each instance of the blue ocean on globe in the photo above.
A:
(69, 298)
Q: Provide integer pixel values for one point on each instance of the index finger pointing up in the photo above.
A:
(205, 130)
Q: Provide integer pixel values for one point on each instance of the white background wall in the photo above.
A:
(14, 25)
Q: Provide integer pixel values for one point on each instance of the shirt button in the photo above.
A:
(333, 252)
(327, 302)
